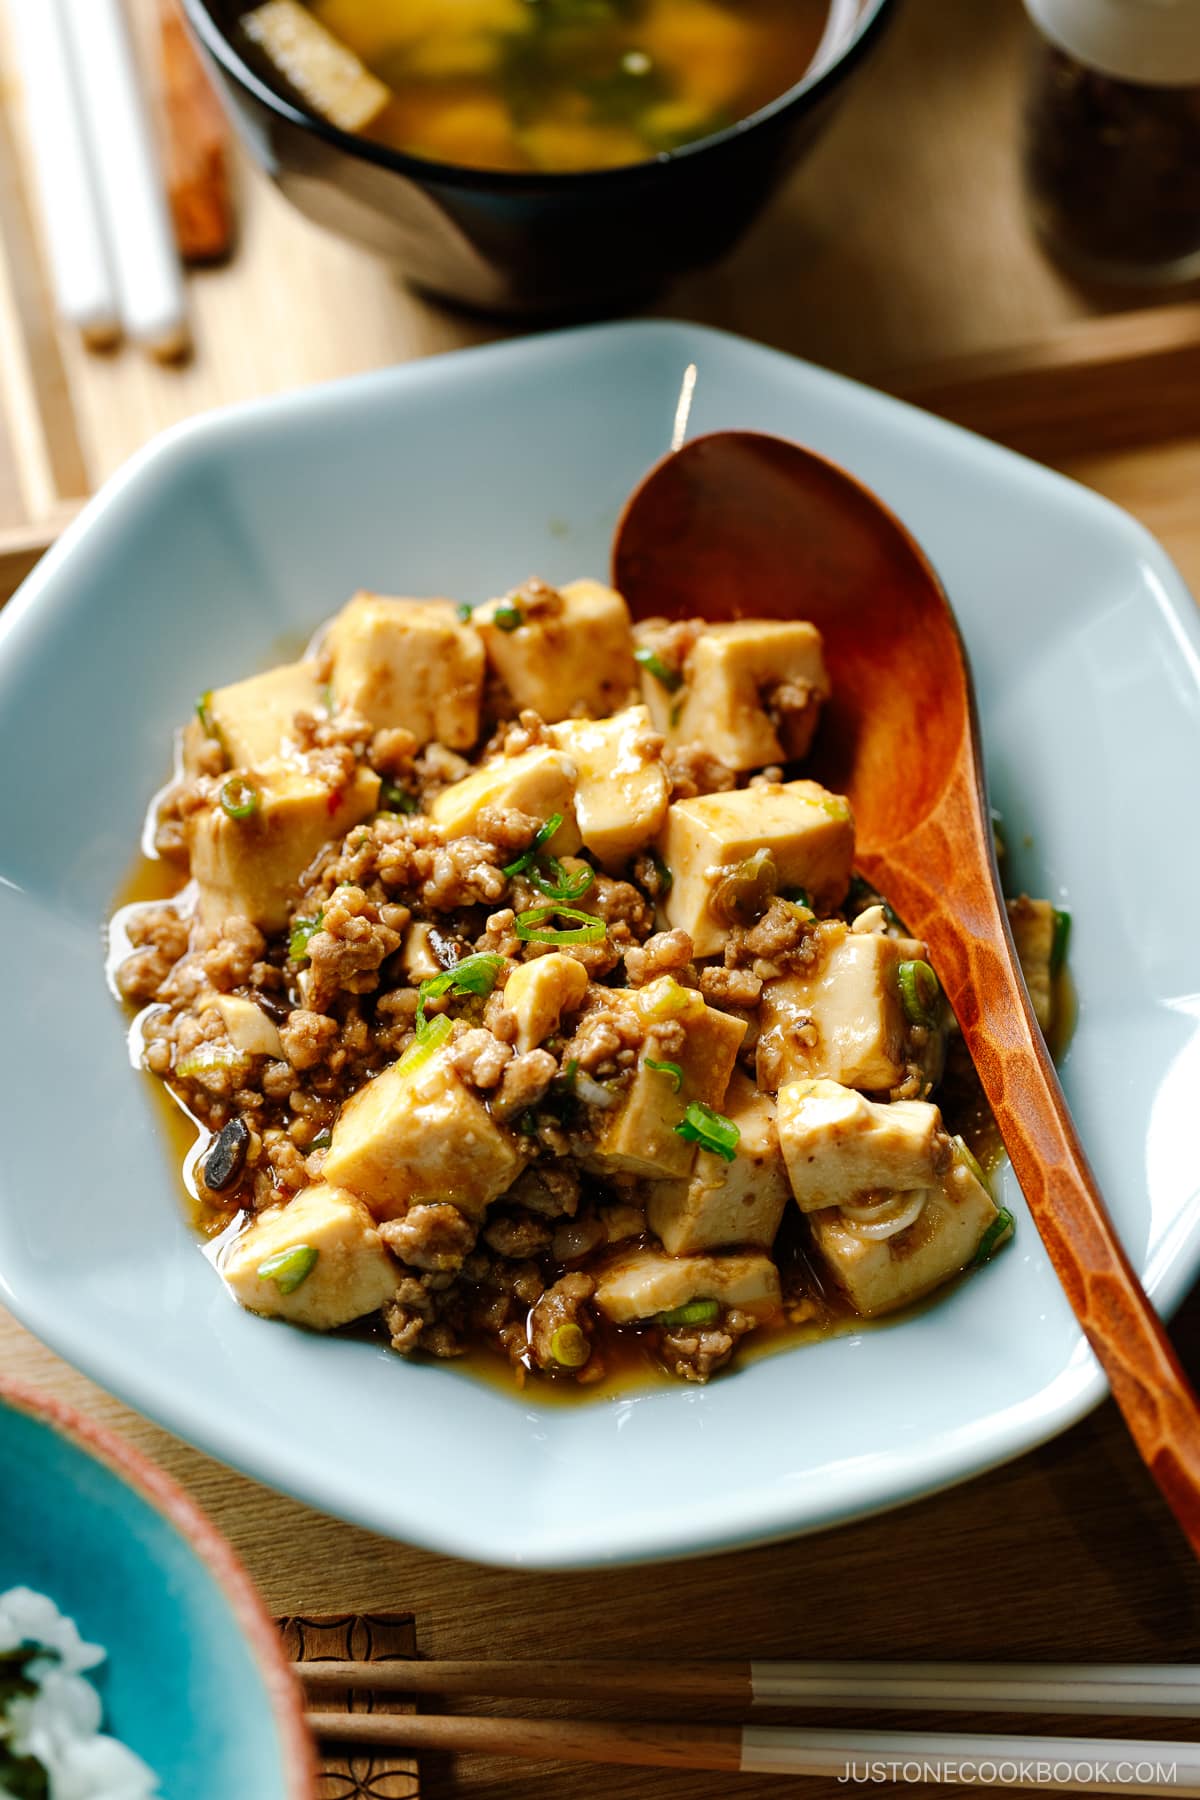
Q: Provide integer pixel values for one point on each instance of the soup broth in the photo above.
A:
(537, 85)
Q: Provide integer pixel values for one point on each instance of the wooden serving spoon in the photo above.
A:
(743, 524)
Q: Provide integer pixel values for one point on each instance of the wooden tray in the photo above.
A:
(900, 254)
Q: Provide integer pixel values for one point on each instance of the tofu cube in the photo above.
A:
(839, 1145)
(843, 1020)
(248, 1027)
(808, 830)
(621, 790)
(323, 71)
(351, 1273)
(252, 720)
(418, 1133)
(723, 1203)
(752, 692)
(247, 866)
(1032, 925)
(879, 1275)
(539, 782)
(647, 1282)
(572, 652)
(638, 1136)
(538, 993)
(409, 662)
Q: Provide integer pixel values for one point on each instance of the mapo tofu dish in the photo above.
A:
(523, 992)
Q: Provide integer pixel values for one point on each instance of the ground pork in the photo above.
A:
(786, 936)
(663, 954)
(307, 1038)
(693, 770)
(696, 1353)
(435, 1237)
(671, 640)
(347, 949)
(480, 1058)
(551, 1189)
(344, 729)
(602, 1033)
(517, 1233)
(731, 987)
(160, 938)
(408, 1314)
(563, 1309)
(230, 962)
(525, 1081)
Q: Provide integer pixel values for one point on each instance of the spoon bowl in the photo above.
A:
(742, 523)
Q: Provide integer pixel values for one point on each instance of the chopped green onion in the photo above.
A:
(240, 799)
(1000, 1228)
(527, 1124)
(322, 1140)
(696, 1312)
(919, 992)
(431, 1034)
(208, 1056)
(799, 897)
(968, 1156)
(711, 1130)
(550, 878)
(665, 998)
(204, 713)
(1060, 940)
(508, 618)
(302, 930)
(836, 807)
(464, 609)
(676, 714)
(396, 799)
(540, 840)
(532, 927)
(566, 1081)
(663, 673)
(666, 877)
(569, 1346)
(671, 1069)
(289, 1269)
(473, 975)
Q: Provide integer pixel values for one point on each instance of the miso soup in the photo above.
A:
(536, 84)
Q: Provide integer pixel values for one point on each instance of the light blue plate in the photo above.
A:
(195, 1680)
(462, 475)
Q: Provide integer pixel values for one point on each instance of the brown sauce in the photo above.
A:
(814, 1307)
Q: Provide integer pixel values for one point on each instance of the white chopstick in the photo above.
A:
(1170, 1691)
(133, 203)
(84, 288)
(1066, 1765)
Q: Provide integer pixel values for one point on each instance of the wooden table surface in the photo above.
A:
(1067, 1553)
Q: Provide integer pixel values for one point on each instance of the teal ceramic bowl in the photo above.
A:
(196, 1681)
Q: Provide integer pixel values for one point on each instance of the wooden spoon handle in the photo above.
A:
(966, 929)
